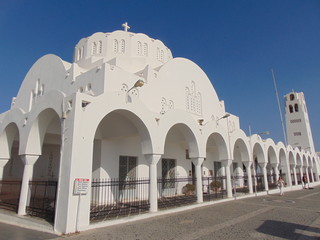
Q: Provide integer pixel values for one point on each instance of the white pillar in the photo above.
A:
(316, 171)
(3, 162)
(295, 174)
(289, 180)
(197, 162)
(226, 164)
(28, 161)
(248, 167)
(153, 160)
(307, 173)
(265, 176)
(301, 174)
(312, 178)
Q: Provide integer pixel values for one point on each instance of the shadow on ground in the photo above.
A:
(288, 230)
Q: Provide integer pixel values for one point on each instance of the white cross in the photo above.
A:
(126, 26)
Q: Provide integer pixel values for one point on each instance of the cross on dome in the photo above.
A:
(125, 26)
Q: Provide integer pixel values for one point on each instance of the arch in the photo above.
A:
(119, 133)
(217, 146)
(292, 160)
(8, 136)
(38, 130)
(187, 125)
(298, 160)
(258, 153)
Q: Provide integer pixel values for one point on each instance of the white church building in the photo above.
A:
(126, 128)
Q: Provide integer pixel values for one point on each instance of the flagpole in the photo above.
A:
(276, 89)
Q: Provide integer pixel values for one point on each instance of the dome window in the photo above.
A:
(123, 46)
(139, 48)
(115, 46)
(94, 48)
(145, 49)
(100, 47)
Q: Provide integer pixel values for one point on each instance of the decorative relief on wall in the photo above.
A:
(193, 100)
(166, 105)
(124, 87)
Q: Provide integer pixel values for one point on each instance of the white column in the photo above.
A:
(153, 160)
(317, 173)
(312, 178)
(265, 176)
(28, 161)
(197, 162)
(301, 174)
(307, 173)
(3, 162)
(248, 168)
(289, 180)
(226, 164)
(295, 174)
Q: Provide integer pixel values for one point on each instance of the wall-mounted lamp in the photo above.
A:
(225, 116)
(138, 83)
(200, 121)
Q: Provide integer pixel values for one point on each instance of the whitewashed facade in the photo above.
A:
(86, 119)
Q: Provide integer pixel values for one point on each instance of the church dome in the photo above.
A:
(131, 51)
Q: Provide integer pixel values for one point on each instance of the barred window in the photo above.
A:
(127, 171)
(168, 173)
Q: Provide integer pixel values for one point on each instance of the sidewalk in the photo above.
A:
(41, 225)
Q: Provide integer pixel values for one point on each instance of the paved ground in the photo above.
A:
(293, 216)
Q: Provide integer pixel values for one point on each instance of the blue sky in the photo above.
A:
(235, 42)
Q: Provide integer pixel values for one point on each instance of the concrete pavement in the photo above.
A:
(293, 216)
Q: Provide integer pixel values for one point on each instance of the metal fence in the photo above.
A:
(240, 185)
(10, 194)
(214, 187)
(111, 198)
(42, 200)
(175, 192)
(299, 178)
(260, 187)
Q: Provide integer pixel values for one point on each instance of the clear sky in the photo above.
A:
(235, 42)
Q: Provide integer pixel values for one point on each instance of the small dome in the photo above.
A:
(134, 49)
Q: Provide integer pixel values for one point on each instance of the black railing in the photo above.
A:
(175, 192)
(260, 187)
(111, 198)
(299, 178)
(293, 182)
(240, 185)
(214, 187)
(10, 194)
(42, 199)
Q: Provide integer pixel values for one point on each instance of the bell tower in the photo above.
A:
(297, 121)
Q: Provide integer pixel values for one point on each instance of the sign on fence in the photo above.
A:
(81, 186)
